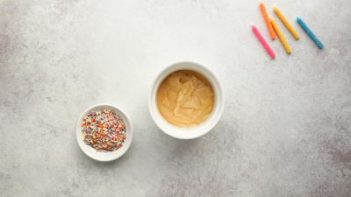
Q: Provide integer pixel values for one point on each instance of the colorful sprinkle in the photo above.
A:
(103, 130)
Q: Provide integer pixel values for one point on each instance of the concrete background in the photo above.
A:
(285, 131)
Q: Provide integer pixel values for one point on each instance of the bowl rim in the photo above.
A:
(192, 132)
(130, 133)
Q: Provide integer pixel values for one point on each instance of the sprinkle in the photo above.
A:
(263, 41)
(267, 21)
(103, 130)
(286, 23)
(281, 37)
(310, 33)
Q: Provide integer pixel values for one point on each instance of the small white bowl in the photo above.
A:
(105, 155)
(184, 132)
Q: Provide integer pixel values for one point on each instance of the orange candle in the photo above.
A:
(267, 20)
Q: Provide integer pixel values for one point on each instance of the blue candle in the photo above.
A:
(310, 33)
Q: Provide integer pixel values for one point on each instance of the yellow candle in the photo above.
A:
(286, 23)
(281, 37)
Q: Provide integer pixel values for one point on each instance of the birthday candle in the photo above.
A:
(264, 43)
(281, 37)
(267, 21)
(286, 23)
(310, 33)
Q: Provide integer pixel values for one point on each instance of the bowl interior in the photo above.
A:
(105, 155)
(187, 132)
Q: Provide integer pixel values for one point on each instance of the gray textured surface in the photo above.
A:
(285, 131)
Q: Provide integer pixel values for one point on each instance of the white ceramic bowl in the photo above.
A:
(191, 132)
(104, 155)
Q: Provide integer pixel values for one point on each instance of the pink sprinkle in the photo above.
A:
(264, 43)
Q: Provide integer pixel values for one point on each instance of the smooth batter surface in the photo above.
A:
(185, 98)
